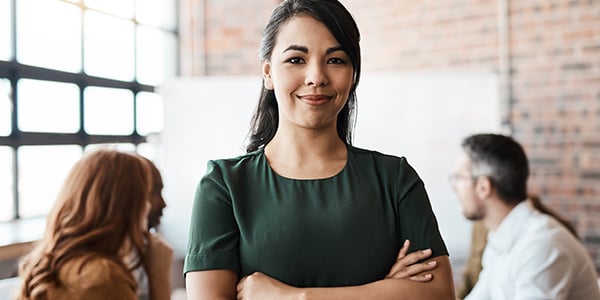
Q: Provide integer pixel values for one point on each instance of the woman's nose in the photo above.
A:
(315, 75)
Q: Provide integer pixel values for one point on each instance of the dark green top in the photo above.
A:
(338, 231)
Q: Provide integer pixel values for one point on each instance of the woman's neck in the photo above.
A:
(306, 155)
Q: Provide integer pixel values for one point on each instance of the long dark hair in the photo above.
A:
(342, 26)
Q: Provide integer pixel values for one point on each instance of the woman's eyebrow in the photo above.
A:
(296, 48)
(305, 49)
(334, 49)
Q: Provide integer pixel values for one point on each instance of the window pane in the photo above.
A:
(149, 113)
(49, 34)
(156, 55)
(128, 147)
(42, 171)
(109, 46)
(5, 30)
(148, 150)
(108, 111)
(47, 106)
(123, 8)
(5, 107)
(158, 13)
(6, 184)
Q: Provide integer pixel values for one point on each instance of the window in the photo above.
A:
(87, 77)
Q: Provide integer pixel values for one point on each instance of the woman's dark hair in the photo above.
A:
(342, 26)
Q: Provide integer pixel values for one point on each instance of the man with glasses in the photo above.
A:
(529, 253)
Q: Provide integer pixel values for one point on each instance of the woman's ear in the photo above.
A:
(266, 71)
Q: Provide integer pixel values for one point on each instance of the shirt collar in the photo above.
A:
(509, 229)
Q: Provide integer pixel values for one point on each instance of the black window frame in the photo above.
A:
(14, 71)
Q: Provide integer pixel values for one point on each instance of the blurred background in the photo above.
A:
(178, 81)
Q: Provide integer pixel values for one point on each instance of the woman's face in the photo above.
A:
(310, 74)
(146, 211)
(156, 200)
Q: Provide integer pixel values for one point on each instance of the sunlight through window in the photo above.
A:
(6, 183)
(128, 147)
(49, 34)
(149, 112)
(122, 8)
(158, 13)
(148, 150)
(46, 106)
(5, 30)
(109, 46)
(75, 75)
(43, 170)
(5, 107)
(155, 64)
(108, 111)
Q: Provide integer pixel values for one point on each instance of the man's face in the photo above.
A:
(463, 183)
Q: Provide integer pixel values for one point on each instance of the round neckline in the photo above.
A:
(342, 170)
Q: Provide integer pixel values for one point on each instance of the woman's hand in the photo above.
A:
(264, 287)
(408, 266)
(159, 259)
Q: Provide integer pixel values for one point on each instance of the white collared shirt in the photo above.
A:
(532, 256)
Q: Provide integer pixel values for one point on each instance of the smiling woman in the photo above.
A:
(302, 185)
(313, 69)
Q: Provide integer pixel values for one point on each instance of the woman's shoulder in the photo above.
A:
(376, 156)
(244, 161)
(393, 167)
(92, 272)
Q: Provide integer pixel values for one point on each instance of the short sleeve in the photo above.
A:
(417, 221)
(213, 241)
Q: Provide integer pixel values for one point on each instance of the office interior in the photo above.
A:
(178, 80)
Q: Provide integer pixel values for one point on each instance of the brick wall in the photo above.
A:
(553, 55)
(224, 35)
(555, 50)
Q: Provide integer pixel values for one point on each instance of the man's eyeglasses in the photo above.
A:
(454, 178)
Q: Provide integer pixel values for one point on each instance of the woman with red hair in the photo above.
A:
(97, 235)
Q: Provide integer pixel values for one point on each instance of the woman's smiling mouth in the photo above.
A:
(314, 99)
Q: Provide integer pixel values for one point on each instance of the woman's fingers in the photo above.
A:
(404, 249)
(407, 266)
(421, 278)
(408, 260)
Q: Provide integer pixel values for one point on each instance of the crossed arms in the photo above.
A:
(407, 279)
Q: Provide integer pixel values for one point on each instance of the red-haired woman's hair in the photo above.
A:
(537, 204)
(98, 213)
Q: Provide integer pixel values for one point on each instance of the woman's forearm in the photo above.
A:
(212, 284)
(441, 286)
(383, 289)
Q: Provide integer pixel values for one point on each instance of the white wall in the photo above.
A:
(425, 117)
(205, 118)
(420, 116)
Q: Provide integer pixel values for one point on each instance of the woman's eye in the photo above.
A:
(336, 61)
(295, 60)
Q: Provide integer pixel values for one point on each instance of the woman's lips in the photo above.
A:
(314, 99)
